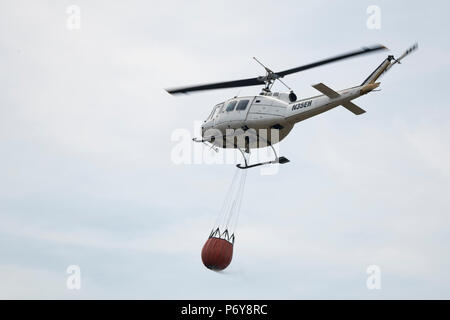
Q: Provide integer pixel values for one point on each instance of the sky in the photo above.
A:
(87, 176)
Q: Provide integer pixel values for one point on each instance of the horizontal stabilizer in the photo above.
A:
(353, 108)
(326, 90)
(330, 93)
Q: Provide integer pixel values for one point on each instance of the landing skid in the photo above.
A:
(280, 160)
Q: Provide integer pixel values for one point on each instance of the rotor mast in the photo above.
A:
(269, 79)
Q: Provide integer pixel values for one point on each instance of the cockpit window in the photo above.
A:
(231, 105)
(242, 105)
(215, 111)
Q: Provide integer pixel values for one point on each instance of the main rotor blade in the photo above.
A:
(217, 85)
(271, 76)
(363, 50)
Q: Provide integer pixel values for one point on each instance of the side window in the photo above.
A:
(231, 105)
(242, 105)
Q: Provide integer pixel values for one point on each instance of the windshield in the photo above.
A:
(215, 111)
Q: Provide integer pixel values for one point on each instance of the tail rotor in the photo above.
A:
(414, 47)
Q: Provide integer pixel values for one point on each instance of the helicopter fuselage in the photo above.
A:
(268, 119)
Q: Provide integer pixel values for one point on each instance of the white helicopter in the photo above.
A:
(263, 120)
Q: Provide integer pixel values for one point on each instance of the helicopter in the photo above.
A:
(262, 120)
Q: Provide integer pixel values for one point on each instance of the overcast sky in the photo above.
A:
(87, 179)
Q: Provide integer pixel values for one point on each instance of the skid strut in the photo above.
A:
(280, 160)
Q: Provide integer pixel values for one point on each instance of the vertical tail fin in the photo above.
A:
(378, 71)
(386, 65)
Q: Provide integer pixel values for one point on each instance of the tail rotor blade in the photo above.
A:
(414, 47)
